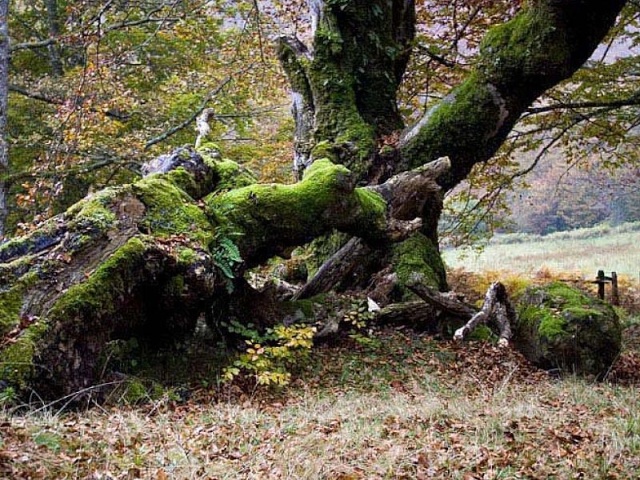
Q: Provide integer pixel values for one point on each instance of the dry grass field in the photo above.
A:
(407, 406)
(581, 252)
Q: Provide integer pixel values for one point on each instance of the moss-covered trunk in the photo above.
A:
(345, 86)
(148, 259)
(151, 257)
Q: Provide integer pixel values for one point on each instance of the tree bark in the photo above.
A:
(345, 84)
(4, 104)
(543, 45)
(53, 26)
(345, 91)
(497, 308)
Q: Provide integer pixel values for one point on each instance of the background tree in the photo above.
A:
(98, 86)
(4, 96)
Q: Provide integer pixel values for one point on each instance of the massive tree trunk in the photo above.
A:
(345, 98)
(149, 258)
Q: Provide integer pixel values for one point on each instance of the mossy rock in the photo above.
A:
(560, 327)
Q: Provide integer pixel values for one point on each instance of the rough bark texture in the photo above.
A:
(496, 307)
(345, 84)
(543, 45)
(4, 99)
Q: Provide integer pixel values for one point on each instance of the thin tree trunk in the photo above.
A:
(4, 102)
(53, 25)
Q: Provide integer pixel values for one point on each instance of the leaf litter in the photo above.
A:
(408, 407)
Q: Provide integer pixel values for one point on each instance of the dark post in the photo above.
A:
(615, 296)
(601, 280)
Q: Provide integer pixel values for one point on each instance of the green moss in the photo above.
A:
(561, 327)
(17, 364)
(482, 333)
(232, 175)
(187, 256)
(528, 46)
(372, 203)
(322, 248)
(170, 210)
(567, 296)
(324, 150)
(182, 179)
(102, 291)
(11, 301)
(338, 119)
(417, 260)
(294, 214)
(10, 304)
(551, 324)
(468, 114)
(94, 212)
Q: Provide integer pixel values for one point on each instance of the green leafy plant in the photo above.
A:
(359, 318)
(269, 356)
(226, 256)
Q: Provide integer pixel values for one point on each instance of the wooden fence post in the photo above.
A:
(601, 280)
(615, 296)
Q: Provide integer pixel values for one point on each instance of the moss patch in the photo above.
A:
(561, 327)
(10, 304)
(417, 260)
(170, 211)
(232, 175)
(102, 291)
(94, 213)
(17, 361)
(516, 50)
(272, 214)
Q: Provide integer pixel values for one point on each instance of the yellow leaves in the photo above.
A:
(268, 360)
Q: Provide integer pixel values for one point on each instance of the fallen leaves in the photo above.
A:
(411, 408)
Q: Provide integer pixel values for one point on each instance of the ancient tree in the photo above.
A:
(150, 258)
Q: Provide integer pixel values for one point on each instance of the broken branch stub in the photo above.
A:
(496, 307)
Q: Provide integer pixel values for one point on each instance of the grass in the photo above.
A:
(583, 252)
(410, 407)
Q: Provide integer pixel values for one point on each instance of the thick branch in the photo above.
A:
(543, 45)
(496, 305)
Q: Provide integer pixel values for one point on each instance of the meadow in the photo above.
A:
(581, 252)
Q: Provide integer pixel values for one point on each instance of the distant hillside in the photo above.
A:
(561, 197)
